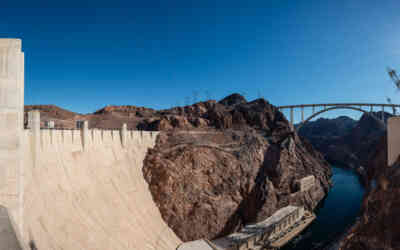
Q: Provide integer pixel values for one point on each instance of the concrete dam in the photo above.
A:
(71, 189)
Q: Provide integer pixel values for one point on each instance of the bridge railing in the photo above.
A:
(331, 106)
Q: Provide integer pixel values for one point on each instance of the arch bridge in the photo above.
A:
(318, 109)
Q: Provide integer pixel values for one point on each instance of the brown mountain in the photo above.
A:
(220, 165)
(344, 141)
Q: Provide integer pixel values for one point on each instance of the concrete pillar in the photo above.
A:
(372, 109)
(85, 135)
(394, 110)
(291, 115)
(11, 127)
(302, 114)
(393, 139)
(34, 121)
(383, 114)
(29, 125)
(313, 109)
(124, 134)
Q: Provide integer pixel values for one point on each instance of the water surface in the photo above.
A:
(337, 212)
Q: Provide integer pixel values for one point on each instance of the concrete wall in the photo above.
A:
(306, 183)
(11, 124)
(73, 189)
(393, 139)
(8, 236)
(85, 190)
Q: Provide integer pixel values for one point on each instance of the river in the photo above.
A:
(336, 213)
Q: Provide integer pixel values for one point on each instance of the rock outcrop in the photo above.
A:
(364, 143)
(127, 110)
(378, 225)
(344, 141)
(240, 168)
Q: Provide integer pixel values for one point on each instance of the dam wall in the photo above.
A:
(84, 189)
(72, 189)
(11, 123)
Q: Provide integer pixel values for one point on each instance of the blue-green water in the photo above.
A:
(336, 213)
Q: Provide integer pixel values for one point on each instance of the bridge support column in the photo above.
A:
(394, 111)
(123, 133)
(372, 109)
(11, 128)
(291, 116)
(383, 114)
(302, 114)
(313, 109)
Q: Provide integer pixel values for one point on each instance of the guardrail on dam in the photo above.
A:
(73, 189)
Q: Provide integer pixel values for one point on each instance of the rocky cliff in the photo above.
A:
(220, 165)
(344, 141)
(378, 226)
(364, 143)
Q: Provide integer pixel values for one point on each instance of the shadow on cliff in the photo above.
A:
(254, 201)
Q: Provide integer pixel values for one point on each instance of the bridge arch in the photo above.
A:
(336, 107)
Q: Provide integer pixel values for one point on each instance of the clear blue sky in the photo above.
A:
(82, 55)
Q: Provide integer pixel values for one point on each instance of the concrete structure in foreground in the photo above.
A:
(306, 183)
(271, 233)
(73, 189)
(393, 139)
(262, 234)
(11, 127)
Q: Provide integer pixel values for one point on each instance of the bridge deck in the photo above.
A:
(338, 104)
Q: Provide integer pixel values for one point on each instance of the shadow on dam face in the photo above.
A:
(92, 197)
(8, 237)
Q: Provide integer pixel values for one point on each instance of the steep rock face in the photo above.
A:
(216, 165)
(346, 142)
(241, 169)
(378, 226)
(328, 128)
(258, 114)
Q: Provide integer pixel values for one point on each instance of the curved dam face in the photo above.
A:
(72, 189)
(92, 195)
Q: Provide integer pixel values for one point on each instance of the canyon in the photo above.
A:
(216, 166)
